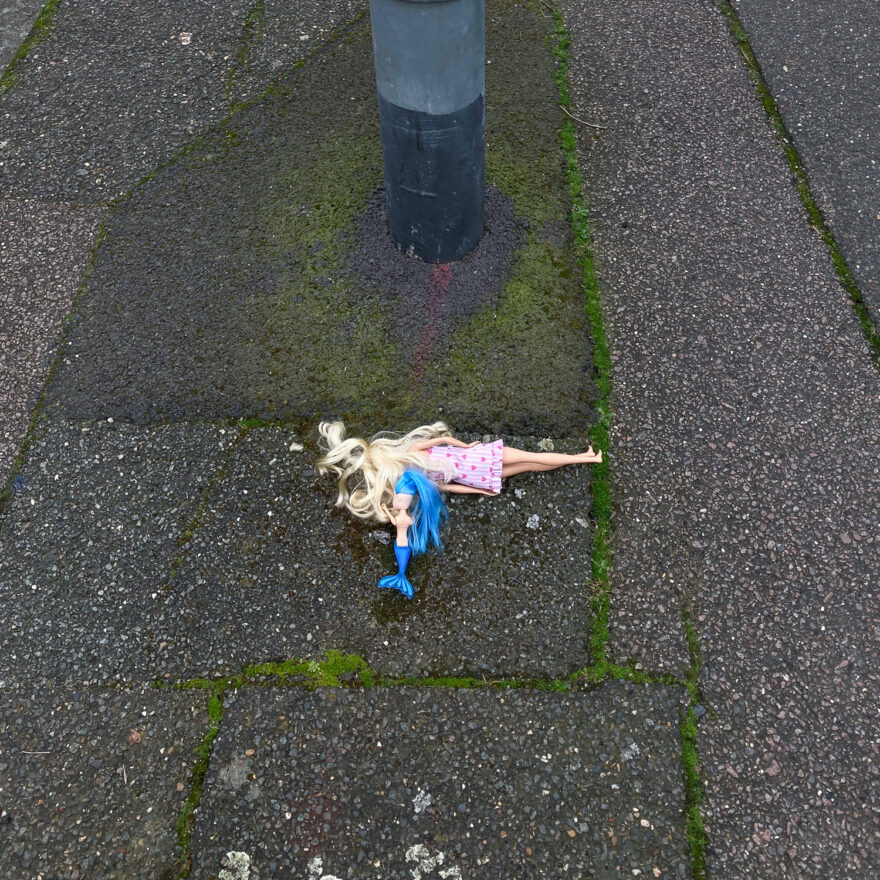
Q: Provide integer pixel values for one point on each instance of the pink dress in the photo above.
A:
(479, 466)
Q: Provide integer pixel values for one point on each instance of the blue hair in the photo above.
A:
(428, 512)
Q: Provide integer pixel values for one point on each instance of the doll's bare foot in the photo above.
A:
(590, 457)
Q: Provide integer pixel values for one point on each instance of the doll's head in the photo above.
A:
(368, 471)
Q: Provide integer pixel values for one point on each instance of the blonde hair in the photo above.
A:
(368, 471)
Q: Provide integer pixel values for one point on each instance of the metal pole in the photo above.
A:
(430, 76)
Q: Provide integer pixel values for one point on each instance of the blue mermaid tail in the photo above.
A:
(398, 581)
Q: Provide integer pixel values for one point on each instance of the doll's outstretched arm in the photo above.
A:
(447, 440)
(459, 489)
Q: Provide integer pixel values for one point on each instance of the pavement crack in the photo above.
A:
(186, 820)
(192, 526)
(251, 33)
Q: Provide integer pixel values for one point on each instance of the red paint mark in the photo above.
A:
(440, 278)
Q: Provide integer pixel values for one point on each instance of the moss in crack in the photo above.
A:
(41, 29)
(334, 670)
(693, 783)
(186, 820)
(600, 435)
(801, 182)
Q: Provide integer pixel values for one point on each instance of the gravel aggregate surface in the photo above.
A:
(89, 539)
(45, 249)
(92, 782)
(746, 442)
(112, 91)
(822, 63)
(435, 783)
(16, 19)
(275, 572)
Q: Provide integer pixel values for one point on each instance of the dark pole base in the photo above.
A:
(434, 179)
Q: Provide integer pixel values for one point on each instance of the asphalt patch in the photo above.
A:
(429, 301)
(275, 572)
(435, 783)
(226, 285)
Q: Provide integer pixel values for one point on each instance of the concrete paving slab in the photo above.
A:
(791, 763)
(822, 63)
(112, 91)
(16, 19)
(283, 35)
(89, 540)
(435, 783)
(253, 277)
(92, 782)
(44, 254)
(746, 439)
(275, 572)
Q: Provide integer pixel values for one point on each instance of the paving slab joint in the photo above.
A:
(251, 32)
(186, 820)
(600, 487)
(39, 414)
(253, 24)
(690, 758)
(801, 181)
(340, 669)
(189, 532)
(41, 29)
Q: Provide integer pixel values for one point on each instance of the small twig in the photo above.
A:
(24, 752)
(548, 5)
(581, 121)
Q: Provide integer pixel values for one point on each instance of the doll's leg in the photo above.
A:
(517, 461)
(511, 470)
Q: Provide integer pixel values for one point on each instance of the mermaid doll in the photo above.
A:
(412, 470)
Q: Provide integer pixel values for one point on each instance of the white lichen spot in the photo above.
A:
(236, 866)
(533, 521)
(316, 870)
(422, 801)
(546, 445)
(630, 752)
(426, 863)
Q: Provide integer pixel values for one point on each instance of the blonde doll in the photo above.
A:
(413, 469)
